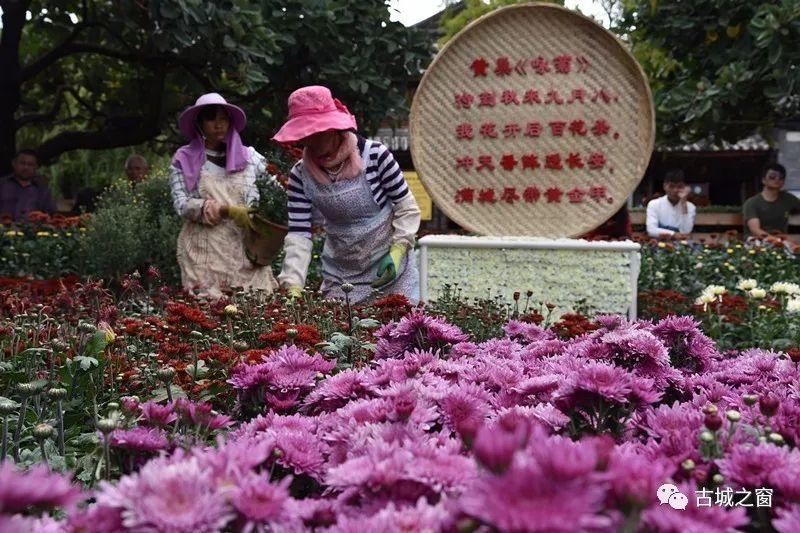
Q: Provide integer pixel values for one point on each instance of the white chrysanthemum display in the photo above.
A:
(747, 284)
(784, 287)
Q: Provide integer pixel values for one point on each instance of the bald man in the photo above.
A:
(136, 170)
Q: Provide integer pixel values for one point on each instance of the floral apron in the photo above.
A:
(358, 234)
(213, 257)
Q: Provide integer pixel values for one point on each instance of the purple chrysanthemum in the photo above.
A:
(750, 466)
(527, 332)
(422, 517)
(300, 452)
(155, 414)
(259, 501)
(140, 439)
(465, 410)
(595, 381)
(246, 377)
(416, 330)
(496, 444)
(523, 500)
(715, 519)
(634, 477)
(337, 390)
(37, 487)
(95, 519)
(788, 520)
(169, 494)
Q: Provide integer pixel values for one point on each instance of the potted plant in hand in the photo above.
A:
(269, 223)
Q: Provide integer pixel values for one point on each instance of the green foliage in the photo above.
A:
(719, 69)
(100, 74)
(41, 252)
(272, 202)
(688, 268)
(454, 21)
(133, 228)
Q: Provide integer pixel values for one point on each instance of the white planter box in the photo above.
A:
(600, 277)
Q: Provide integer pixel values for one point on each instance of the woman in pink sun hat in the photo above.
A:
(355, 184)
(213, 181)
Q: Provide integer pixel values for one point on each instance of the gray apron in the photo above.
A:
(358, 234)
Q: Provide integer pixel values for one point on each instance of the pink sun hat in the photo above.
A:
(187, 120)
(312, 110)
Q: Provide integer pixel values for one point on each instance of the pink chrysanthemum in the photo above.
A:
(422, 517)
(246, 377)
(788, 520)
(496, 444)
(37, 487)
(714, 519)
(465, 410)
(527, 332)
(595, 381)
(300, 452)
(416, 330)
(95, 519)
(336, 391)
(155, 414)
(169, 494)
(750, 466)
(523, 500)
(140, 440)
(259, 501)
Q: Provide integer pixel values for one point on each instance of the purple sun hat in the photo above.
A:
(188, 119)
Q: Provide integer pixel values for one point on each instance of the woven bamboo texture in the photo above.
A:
(531, 31)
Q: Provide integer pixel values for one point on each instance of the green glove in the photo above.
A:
(294, 291)
(389, 265)
(240, 216)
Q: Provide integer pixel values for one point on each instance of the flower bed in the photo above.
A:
(256, 413)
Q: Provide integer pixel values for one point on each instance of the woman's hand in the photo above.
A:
(213, 212)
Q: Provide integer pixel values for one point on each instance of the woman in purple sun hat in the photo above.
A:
(355, 184)
(213, 181)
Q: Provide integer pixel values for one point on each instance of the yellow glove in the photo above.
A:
(294, 291)
(389, 265)
(240, 216)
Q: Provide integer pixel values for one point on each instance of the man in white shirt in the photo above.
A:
(671, 216)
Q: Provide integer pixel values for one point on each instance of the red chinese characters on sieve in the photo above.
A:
(482, 67)
(533, 96)
(532, 161)
(543, 162)
(532, 195)
(555, 128)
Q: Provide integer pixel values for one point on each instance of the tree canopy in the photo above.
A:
(719, 69)
(77, 74)
(457, 18)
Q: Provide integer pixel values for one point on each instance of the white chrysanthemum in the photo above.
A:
(716, 290)
(757, 293)
(783, 287)
(705, 298)
(793, 305)
(747, 284)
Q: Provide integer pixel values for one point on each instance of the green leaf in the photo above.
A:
(86, 362)
(159, 395)
(168, 11)
(95, 346)
(368, 323)
(775, 53)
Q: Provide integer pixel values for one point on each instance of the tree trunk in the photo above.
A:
(10, 79)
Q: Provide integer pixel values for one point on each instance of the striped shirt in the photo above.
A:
(383, 175)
